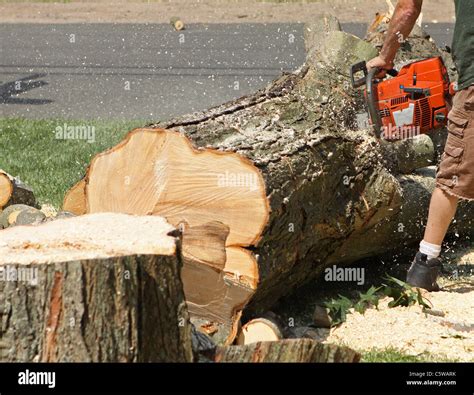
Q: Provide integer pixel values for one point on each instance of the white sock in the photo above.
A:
(431, 250)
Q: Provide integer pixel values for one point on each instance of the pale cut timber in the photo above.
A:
(75, 199)
(289, 350)
(6, 188)
(214, 295)
(96, 288)
(259, 330)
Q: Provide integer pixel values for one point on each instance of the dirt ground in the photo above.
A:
(205, 11)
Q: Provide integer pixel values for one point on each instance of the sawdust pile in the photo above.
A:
(447, 331)
(412, 331)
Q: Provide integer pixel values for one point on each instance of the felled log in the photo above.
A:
(20, 214)
(290, 350)
(286, 172)
(267, 328)
(96, 288)
(13, 191)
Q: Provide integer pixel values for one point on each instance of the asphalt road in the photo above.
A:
(147, 72)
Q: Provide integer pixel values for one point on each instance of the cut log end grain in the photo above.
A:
(259, 330)
(6, 188)
(13, 191)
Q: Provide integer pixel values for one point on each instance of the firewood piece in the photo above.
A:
(30, 216)
(95, 288)
(9, 216)
(260, 330)
(289, 350)
(177, 23)
(6, 189)
(14, 191)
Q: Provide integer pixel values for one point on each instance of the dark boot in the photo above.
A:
(424, 272)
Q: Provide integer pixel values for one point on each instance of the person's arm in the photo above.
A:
(403, 20)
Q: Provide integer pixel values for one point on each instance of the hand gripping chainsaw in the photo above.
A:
(414, 100)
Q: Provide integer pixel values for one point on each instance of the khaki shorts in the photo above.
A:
(456, 170)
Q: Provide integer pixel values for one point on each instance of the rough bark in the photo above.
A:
(291, 350)
(20, 214)
(85, 298)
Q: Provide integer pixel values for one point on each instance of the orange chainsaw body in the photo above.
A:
(414, 101)
(416, 97)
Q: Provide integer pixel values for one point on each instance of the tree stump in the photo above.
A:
(95, 288)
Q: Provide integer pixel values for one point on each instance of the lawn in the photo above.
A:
(30, 150)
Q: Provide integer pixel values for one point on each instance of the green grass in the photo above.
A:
(394, 355)
(29, 149)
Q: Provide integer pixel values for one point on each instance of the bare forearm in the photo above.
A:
(401, 25)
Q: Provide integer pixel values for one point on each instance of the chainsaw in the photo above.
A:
(414, 101)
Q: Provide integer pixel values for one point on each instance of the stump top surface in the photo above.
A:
(93, 236)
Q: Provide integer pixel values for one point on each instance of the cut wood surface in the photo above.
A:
(75, 200)
(96, 288)
(259, 330)
(286, 173)
(290, 350)
(6, 188)
(13, 191)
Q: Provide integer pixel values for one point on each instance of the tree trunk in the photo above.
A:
(291, 350)
(301, 186)
(96, 288)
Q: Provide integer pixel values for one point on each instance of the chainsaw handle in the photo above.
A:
(355, 68)
(372, 100)
(362, 66)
